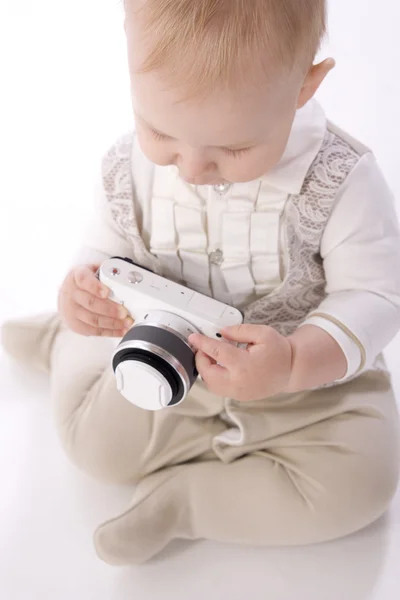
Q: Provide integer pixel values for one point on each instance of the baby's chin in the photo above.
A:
(218, 181)
(221, 182)
(206, 182)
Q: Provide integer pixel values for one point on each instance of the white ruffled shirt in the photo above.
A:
(360, 246)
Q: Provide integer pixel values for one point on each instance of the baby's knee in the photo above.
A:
(96, 459)
(93, 444)
(356, 496)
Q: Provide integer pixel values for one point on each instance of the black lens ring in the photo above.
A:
(157, 363)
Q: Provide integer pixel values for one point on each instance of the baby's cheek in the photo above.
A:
(154, 151)
(262, 162)
(246, 168)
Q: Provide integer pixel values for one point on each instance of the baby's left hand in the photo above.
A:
(261, 370)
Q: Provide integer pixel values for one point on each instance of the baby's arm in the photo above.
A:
(361, 313)
(102, 237)
(81, 302)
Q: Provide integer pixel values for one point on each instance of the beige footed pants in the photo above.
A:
(290, 470)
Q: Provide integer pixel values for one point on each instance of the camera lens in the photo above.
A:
(164, 350)
(157, 363)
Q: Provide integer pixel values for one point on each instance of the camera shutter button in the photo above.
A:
(135, 277)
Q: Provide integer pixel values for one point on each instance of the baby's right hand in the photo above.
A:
(84, 305)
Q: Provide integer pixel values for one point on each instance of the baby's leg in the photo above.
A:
(106, 435)
(29, 341)
(328, 468)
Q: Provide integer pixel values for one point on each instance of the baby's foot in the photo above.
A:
(29, 341)
(160, 514)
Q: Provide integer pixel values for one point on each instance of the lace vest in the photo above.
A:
(281, 299)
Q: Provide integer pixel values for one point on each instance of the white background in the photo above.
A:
(64, 97)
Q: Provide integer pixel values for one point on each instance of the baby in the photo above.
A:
(237, 186)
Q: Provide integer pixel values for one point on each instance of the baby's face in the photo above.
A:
(226, 138)
(229, 136)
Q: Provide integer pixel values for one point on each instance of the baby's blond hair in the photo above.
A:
(203, 43)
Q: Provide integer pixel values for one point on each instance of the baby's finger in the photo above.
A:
(90, 331)
(214, 376)
(221, 352)
(100, 322)
(203, 362)
(106, 308)
(85, 279)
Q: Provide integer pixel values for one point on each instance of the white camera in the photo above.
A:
(154, 363)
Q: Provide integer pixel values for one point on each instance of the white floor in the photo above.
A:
(63, 101)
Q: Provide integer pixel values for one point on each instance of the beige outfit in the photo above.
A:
(293, 469)
(299, 469)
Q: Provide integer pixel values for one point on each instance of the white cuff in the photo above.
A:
(350, 348)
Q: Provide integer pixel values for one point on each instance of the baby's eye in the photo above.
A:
(236, 153)
(159, 136)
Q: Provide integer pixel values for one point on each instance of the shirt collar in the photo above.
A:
(305, 141)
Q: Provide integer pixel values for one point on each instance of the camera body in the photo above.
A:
(154, 363)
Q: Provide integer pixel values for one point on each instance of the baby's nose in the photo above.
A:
(194, 164)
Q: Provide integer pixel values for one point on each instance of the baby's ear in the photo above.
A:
(314, 79)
